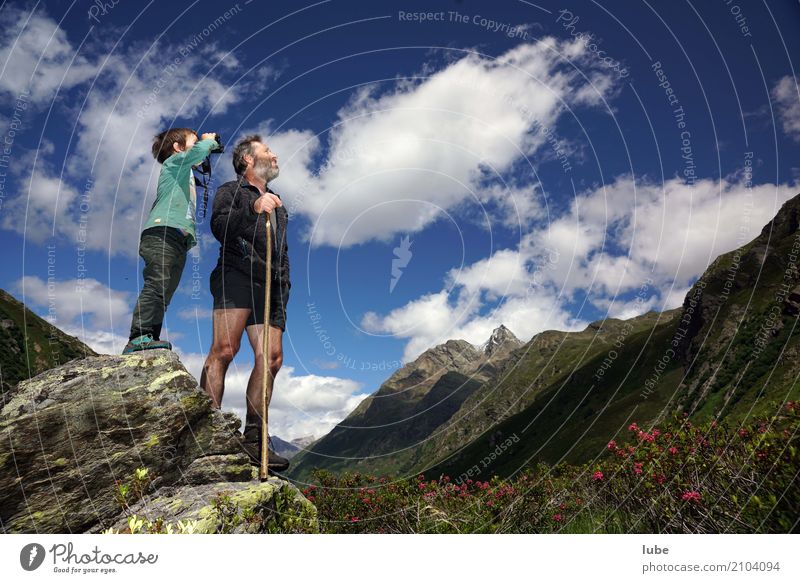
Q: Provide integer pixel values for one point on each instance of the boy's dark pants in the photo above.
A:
(164, 252)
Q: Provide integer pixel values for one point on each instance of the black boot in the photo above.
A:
(251, 444)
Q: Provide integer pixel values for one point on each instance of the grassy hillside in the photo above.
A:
(573, 419)
(553, 360)
(729, 353)
(30, 345)
(399, 440)
(389, 447)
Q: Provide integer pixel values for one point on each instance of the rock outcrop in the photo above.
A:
(74, 437)
(501, 342)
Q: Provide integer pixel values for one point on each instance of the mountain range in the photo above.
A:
(728, 353)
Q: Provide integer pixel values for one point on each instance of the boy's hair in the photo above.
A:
(244, 146)
(162, 143)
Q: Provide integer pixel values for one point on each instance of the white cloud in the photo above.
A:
(436, 318)
(76, 301)
(500, 274)
(787, 101)
(37, 57)
(615, 236)
(33, 216)
(101, 341)
(609, 243)
(86, 309)
(301, 404)
(396, 160)
(516, 206)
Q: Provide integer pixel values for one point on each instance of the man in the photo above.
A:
(238, 221)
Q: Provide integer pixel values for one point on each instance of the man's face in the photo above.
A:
(265, 162)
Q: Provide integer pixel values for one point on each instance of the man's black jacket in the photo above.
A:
(242, 233)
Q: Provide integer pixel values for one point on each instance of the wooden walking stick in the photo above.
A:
(266, 380)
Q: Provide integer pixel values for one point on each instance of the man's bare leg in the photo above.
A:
(228, 327)
(256, 376)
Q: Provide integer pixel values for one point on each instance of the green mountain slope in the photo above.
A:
(382, 435)
(30, 345)
(549, 360)
(730, 354)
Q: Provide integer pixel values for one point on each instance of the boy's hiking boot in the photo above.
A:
(251, 443)
(145, 342)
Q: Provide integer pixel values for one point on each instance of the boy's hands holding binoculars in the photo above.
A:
(209, 136)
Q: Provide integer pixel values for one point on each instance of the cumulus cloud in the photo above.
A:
(610, 242)
(37, 57)
(615, 236)
(301, 405)
(395, 160)
(435, 318)
(68, 301)
(86, 309)
(786, 96)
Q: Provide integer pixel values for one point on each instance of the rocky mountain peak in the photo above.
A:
(451, 355)
(501, 340)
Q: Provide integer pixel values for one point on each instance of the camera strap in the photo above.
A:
(202, 179)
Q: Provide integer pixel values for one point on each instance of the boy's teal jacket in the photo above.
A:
(176, 199)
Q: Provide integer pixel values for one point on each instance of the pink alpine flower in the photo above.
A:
(597, 476)
(644, 436)
(633, 427)
(692, 496)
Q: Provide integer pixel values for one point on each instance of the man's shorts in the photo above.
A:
(231, 288)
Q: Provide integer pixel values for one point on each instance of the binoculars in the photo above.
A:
(220, 146)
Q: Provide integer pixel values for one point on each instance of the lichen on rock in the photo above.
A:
(74, 435)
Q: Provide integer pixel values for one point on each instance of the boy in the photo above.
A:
(169, 232)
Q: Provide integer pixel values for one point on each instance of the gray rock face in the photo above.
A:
(500, 343)
(73, 434)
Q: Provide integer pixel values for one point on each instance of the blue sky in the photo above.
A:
(544, 163)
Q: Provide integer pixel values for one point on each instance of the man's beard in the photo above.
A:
(265, 170)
